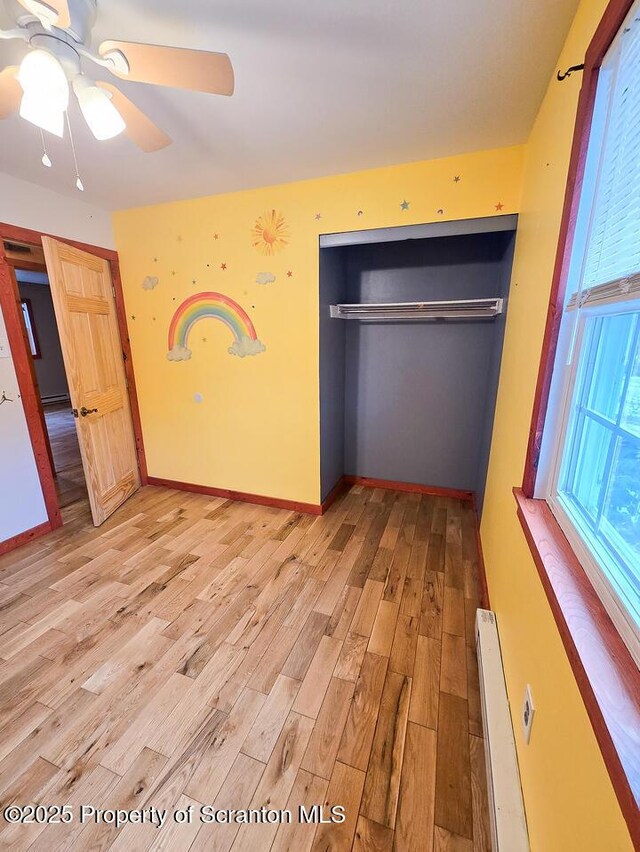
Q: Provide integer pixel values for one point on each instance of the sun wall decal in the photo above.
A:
(270, 233)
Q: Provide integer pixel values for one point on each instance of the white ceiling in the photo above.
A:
(321, 88)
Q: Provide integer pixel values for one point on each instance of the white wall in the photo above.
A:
(21, 502)
(29, 206)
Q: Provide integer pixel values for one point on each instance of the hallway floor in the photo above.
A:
(194, 650)
(70, 482)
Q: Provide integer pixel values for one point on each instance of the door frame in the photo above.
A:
(25, 370)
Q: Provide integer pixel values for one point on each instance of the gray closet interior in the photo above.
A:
(412, 400)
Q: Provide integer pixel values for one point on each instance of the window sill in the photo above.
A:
(606, 674)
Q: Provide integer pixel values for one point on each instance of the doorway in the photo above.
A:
(54, 313)
(52, 386)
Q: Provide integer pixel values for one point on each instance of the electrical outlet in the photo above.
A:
(528, 712)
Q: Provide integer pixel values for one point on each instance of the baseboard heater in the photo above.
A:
(506, 807)
(60, 397)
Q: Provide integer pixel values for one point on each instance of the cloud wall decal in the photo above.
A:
(150, 282)
(265, 278)
(179, 353)
(246, 346)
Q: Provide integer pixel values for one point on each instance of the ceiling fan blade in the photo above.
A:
(140, 129)
(198, 70)
(53, 12)
(10, 91)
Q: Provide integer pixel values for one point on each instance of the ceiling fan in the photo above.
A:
(58, 34)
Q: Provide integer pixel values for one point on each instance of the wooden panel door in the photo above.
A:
(85, 310)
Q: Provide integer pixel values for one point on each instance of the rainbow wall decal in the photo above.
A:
(217, 306)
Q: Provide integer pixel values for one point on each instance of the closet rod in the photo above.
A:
(451, 310)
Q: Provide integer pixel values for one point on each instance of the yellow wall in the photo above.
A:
(569, 799)
(256, 428)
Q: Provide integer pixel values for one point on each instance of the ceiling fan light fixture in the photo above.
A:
(46, 91)
(103, 118)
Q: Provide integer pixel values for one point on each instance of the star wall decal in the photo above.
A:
(215, 236)
(499, 205)
(223, 266)
(456, 179)
(289, 274)
(318, 216)
(405, 204)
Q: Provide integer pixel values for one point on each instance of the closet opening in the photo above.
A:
(410, 359)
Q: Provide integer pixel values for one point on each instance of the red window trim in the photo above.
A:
(607, 30)
(606, 673)
(32, 322)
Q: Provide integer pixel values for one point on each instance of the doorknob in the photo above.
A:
(84, 411)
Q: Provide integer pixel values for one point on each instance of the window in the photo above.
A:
(592, 438)
(30, 325)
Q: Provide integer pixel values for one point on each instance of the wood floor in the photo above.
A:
(196, 651)
(70, 481)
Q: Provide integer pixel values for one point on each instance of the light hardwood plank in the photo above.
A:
(453, 675)
(372, 837)
(327, 733)
(425, 695)
(453, 809)
(312, 690)
(266, 729)
(355, 746)
(345, 789)
(382, 785)
(415, 822)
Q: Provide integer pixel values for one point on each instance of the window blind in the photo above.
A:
(613, 249)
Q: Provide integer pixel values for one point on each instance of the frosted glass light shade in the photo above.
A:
(46, 91)
(36, 111)
(103, 118)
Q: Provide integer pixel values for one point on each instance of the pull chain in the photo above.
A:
(79, 184)
(46, 161)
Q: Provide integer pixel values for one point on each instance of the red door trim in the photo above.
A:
(18, 342)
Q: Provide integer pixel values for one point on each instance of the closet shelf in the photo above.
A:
(460, 309)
